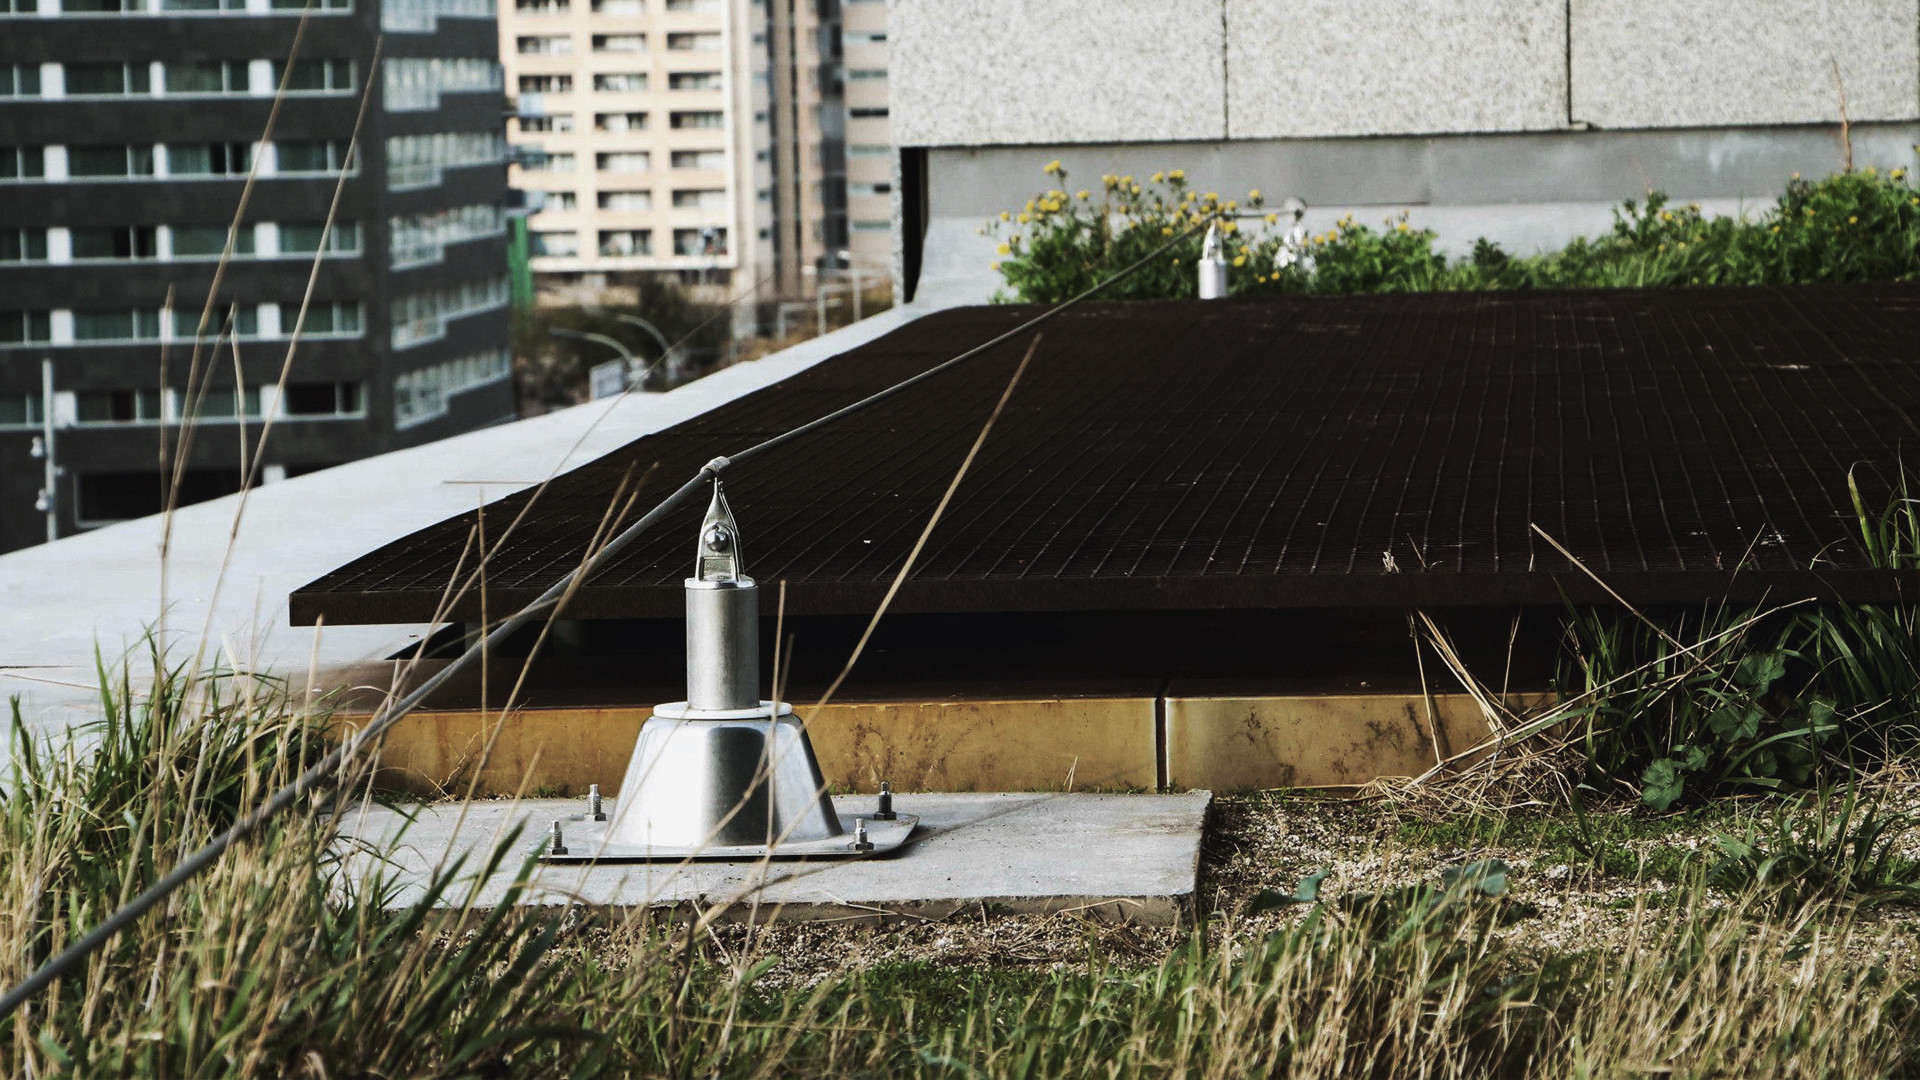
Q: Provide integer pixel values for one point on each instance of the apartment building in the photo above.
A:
(144, 164)
(868, 140)
(711, 138)
(637, 137)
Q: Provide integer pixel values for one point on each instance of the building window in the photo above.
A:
(23, 245)
(621, 242)
(540, 161)
(700, 199)
(108, 80)
(693, 80)
(304, 239)
(220, 403)
(210, 159)
(104, 498)
(619, 7)
(19, 80)
(546, 84)
(869, 189)
(115, 242)
(310, 156)
(207, 77)
(620, 121)
(98, 7)
(423, 238)
(424, 316)
(693, 5)
(109, 161)
(122, 324)
(542, 7)
(707, 241)
(25, 327)
(237, 320)
(561, 200)
(117, 406)
(620, 82)
(22, 162)
(869, 150)
(551, 242)
(414, 83)
(340, 318)
(558, 122)
(318, 5)
(543, 44)
(623, 161)
(203, 5)
(705, 118)
(421, 15)
(866, 74)
(22, 410)
(620, 43)
(19, 7)
(421, 395)
(872, 226)
(699, 159)
(694, 42)
(627, 202)
(868, 114)
(323, 399)
(420, 160)
(314, 76)
(870, 37)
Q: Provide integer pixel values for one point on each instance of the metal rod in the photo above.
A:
(51, 475)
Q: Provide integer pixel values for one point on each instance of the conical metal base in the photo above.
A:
(724, 784)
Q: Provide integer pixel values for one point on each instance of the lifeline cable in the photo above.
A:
(318, 773)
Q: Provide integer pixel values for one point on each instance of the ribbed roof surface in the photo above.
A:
(1363, 451)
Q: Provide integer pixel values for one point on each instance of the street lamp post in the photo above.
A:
(49, 501)
(635, 373)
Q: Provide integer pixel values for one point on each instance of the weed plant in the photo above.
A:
(1852, 226)
(281, 963)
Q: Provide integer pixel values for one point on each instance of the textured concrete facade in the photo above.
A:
(1694, 63)
(981, 72)
(1020, 72)
(1394, 67)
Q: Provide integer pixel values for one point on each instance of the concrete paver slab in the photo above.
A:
(1128, 858)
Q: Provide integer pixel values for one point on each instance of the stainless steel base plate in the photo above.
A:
(587, 842)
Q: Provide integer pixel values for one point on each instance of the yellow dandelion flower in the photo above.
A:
(1213, 196)
(1683, 245)
(1178, 174)
(1239, 260)
(1053, 166)
(1229, 227)
(1004, 249)
(1136, 189)
(1273, 219)
(1897, 174)
(1254, 194)
(1694, 206)
(1127, 180)
(1233, 204)
(993, 266)
(1159, 177)
(1913, 202)
(1004, 216)
(1029, 206)
(1166, 230)
(1023, 219)
(1776, 228)
(1084, 195)
(1403, 226)
(1796, 176)
(1853, 220)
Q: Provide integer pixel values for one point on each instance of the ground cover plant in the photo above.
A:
(1851, 226)
(1404, 945)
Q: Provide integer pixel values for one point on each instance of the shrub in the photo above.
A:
(1853, 226)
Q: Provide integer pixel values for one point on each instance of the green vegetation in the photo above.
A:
(281, 963)
(1853, 226)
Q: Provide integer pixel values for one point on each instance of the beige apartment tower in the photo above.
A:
(741, 144)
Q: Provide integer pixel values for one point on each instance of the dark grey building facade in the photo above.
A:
(132, 132)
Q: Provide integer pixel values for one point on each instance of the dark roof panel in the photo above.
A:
(1268, 453)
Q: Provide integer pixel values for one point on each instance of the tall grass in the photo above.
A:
(279, 964)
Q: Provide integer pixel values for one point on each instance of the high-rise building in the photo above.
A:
(734, 142)
(155, 151)
(869, 144)
(640, 135)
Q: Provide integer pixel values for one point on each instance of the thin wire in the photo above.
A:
(552, 598)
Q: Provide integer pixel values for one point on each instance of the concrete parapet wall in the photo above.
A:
(1189, 741)
(1022, 72)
